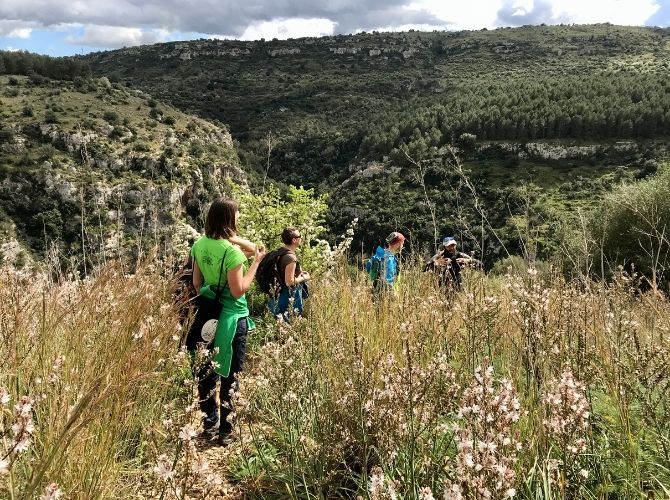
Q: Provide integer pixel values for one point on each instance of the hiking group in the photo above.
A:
(220, 276)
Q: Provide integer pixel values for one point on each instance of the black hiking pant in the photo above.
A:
(207, 379)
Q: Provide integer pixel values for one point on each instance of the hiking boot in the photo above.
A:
(210, 428)
(225, 439)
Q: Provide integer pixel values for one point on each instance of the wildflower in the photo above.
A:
(55, 369)
(380, 487)
(23, 408)
(376, 482)
(452, 492)
(200, 466)
(187, 433)
(52, 492)
(426, 493)
(4, 397)
(488, 414)
(163, 468)
(23, 427)
(568, 411)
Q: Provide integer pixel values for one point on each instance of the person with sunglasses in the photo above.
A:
(293, 279)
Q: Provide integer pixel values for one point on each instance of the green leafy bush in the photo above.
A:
(111, 117)
(263, 217)
(632, 228)
(50, 117)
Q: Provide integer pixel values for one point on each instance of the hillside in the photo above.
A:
(565, 110)
(92, 159)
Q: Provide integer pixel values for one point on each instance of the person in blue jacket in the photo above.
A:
(383, 266)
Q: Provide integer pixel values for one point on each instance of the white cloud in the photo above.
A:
(626, 12)
(20, 33)
(117, 36)
(16, 29)
(468, 15)
(11, 49)
(477, 14)
(289, 28)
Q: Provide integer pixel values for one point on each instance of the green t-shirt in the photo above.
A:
(208, 253)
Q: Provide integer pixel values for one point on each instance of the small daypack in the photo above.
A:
(267, 275)
(372, 267)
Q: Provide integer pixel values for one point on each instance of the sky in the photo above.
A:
(67, 27)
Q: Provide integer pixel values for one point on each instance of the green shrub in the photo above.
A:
(50, 117)
(111, 117)
(632, 229)
(6, 135)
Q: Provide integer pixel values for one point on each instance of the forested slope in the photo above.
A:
(564, 110)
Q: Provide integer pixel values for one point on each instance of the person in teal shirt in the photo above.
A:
(383, 267)
(221, 245)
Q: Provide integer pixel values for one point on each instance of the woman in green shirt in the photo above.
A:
(217, 259)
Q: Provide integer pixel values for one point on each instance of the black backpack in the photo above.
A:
(267, 274)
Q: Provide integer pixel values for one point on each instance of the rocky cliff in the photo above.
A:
(93, 170)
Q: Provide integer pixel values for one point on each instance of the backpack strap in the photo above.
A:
(218, 285)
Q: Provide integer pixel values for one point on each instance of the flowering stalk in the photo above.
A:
(567, 424)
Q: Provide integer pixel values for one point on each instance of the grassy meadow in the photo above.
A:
(522, 385)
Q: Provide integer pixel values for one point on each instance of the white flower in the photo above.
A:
(4, 466)
(52, 492)
(21, 444)
(163, 468)
(187, 433)
(453, 493)
(4, 396)
(426, 493)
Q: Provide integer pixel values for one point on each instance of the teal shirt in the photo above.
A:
(207, 253)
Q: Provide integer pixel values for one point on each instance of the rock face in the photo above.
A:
(559, 151)
(284, 52)
(12, 253)
(126, 187)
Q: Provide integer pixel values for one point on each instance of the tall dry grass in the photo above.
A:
(89, 368)
(525, 386)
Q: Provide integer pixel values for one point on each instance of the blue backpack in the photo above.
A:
(375, 265)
